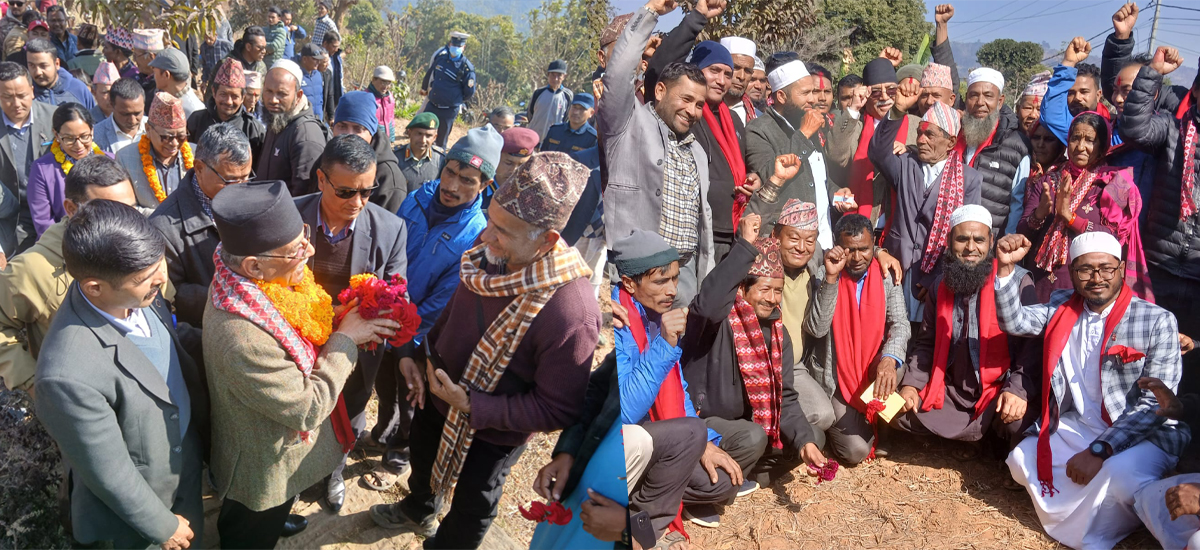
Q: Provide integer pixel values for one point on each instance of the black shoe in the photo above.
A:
(337, 493)
(294, 525)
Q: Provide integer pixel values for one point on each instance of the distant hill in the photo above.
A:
(964, 55)
(517, 9)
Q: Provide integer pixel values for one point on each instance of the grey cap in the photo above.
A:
(171, 60)
(557, 66)
(912, 70)
(314, 51)
(480, 148)
(640, 252)
(256, 217)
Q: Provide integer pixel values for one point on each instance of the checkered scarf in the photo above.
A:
(1187, 201)
(1057, 242)
(762, 372)
(533, 287)
(950, 197)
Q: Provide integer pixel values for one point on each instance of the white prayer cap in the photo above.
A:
(1095, 241)
(291, 67)
(786, 74)
(971, 213)
(739, 46)
(758, 65)
(984, 74)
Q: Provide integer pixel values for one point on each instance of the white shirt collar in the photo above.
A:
(134, 324)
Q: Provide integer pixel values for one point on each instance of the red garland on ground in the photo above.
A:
(554, 513)
(826, 472)
(375, 295)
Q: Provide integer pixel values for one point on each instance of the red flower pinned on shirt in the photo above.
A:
(1126, 354)
(553, 513)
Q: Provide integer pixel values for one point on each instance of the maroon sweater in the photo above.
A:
(543, 388)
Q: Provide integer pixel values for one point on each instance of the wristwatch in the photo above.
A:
(1100, 449)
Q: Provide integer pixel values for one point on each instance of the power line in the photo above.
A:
(1026, 18)
(1179, 7)
(1055, 6)
(1013, 12)
(981, 17)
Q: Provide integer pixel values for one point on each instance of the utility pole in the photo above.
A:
(1154, 28)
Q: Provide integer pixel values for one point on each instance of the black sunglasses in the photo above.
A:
(349, 192)
(16, 4)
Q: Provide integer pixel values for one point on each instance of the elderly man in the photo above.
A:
(744, 53)
(502, 118)
(146, 45)
(993, 144)
(851, 133)
(964, 375)
(226, 107)
(252, 95)
(512, 350)
(1100, 440)
(519, 145)
(421, 159)
(657, 172)
(279, 425)
(30, 287)
(936, 86)
(295, 136)
(185, 218)
(172, 75)
(158, 162)
(106, 75)
(127, 122)
(51, 82)
(134, 424)
(351, 236)
(448, 209)
(449, 82)
(576, 134)
(855, 291)
(550, 103)
(25, 137)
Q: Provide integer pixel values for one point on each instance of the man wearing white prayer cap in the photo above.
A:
(744, 54)
(1100, 440)
(964, 374)
(756, 90)
(996, 146)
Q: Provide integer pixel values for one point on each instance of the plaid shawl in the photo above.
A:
(1057, 242)
(533, 287)
(762, 372)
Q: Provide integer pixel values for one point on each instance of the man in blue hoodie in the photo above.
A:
(51, 83)
(443, 217)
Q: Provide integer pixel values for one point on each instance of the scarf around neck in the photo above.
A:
(858, 332)
(761, 367)
(950, 197)
(726, 135)
(1057, 242)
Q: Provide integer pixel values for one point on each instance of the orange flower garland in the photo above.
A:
(65, 162)
(152, 173)
(306, 307)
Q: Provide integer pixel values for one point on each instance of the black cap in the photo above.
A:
(314, 51)
(557, 66)
(256, 217)
(879, 71)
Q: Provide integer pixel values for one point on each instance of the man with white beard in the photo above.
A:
(992, 143)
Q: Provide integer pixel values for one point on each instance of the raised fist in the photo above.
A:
(1124, 20)
(1166, 60)
(786, 167)
(1012, 248)
(892, 54)
(1077, 51)
(943, 13)
(711, 8)
(748, 227)
(835, 260)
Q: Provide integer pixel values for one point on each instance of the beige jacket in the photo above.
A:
(261, 402)
(843, 143)
(32, 288)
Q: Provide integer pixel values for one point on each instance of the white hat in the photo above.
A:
(385, 73)
(739, 46)
(984, 74)
(758, 65)
(291, 67)
(254, 80)
(970, 213)
(150, 40)
(459, 34)
(1095, 241)
(786, 74)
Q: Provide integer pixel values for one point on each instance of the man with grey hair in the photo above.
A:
(173, 75)
(185, 217)
(502, 118)
(295, 135)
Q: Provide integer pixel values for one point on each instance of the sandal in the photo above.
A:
(380, 479)
(672, 541)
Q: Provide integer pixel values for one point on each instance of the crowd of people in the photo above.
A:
(801, 269)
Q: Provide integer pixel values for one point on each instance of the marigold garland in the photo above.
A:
(152, 173)
(65, 162)
(306, 306)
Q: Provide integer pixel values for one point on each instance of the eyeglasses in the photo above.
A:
(180, 137)
(345, 193)
(877, 93)
(1086, 272)
(234, 181)
(300, 252)
(72, 140)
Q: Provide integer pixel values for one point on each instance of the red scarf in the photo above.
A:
(751, 114)
(1058, 333)
(1057, 242)
(961, 144)
(668, 403)
(762, 370)
(858, 332)
(238, 295)
(993, 348)
(1187, 201)
(862, 171)
(727, 140)
(950, 197)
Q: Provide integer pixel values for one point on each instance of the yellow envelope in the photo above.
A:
(891, 406)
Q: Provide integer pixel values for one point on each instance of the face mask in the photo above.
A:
(455, 51)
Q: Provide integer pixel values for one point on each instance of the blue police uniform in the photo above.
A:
(450, 82)
(562, 138)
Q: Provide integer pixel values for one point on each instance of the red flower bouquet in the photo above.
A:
(376, 295)
(554, 512)
(1126, 354)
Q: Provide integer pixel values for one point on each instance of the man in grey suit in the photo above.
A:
(657, 172)
(352, 235)
(26, 135)
(131, 426)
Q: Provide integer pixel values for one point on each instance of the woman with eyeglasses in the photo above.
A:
(1082, 194)
(72, 126)
(159, 160)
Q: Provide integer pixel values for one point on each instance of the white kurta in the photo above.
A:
(1100, 514)
(1152, 509)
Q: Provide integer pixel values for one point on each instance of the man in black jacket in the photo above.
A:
(996, 148)
(225, 106)
(295, 135)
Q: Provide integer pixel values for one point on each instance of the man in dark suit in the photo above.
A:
(351, 235)
(132, 425)
(26, 135)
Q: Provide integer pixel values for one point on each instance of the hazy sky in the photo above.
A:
(1052, 21)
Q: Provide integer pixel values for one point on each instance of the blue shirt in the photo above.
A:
(341, 235)
(561, 137)
(67, 51)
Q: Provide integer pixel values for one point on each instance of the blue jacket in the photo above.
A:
(313, 85)
(560, 137)
(68, 89)
(451, 82)
(66, 51)
(289, 47)
(435, 252)
(640, 375)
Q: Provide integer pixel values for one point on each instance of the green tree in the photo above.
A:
(1017, 61)
(767, 21)
(561, 29)
(180, 18)
(877, 24)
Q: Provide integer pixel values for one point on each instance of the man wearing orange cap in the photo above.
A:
(160, 158)
(225, 106)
